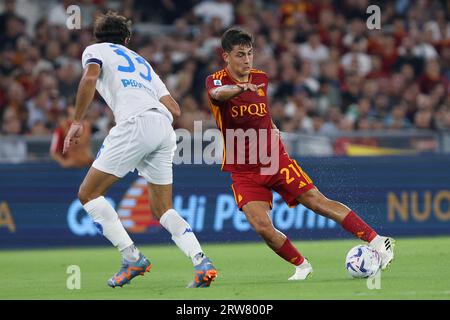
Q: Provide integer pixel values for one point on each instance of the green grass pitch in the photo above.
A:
(421, 270)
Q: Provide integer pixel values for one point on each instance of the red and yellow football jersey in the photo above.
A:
(248, 111)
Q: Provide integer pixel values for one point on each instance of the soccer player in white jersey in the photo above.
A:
(142, 139)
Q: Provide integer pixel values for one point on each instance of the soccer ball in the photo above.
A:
(362, 262)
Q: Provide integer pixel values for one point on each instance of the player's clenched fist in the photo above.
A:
(74, 133)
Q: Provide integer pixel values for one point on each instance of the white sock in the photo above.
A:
(182, 234)
(198, 258)
(375, 240)
(130, 253)
(107, 221)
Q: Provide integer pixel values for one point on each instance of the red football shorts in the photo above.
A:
(290, 182)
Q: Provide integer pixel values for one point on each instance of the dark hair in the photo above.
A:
(236, 36)
(111, 27)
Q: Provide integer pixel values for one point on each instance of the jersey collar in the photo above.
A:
(236, 81)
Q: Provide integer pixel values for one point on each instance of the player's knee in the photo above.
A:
(313, 205)
(264, 228)
(313, 201)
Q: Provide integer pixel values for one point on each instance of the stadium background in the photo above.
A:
(365, 112)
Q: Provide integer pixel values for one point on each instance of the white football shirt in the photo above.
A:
(127, 82)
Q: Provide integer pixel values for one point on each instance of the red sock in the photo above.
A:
(355, 225)
(289, 253)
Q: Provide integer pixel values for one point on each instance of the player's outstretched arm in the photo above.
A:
(85, 94)
(171, 105)
(228, 92)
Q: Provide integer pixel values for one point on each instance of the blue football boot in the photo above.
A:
(205, 273)
(129, 270)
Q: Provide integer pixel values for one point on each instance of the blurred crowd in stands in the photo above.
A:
(328, 72)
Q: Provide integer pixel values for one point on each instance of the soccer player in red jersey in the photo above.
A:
(238, 100)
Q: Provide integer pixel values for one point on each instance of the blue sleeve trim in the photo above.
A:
(94, 60)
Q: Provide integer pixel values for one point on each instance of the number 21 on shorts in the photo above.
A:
(292, 171)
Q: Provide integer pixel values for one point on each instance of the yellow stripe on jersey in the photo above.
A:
(218, 117)
(234, 193)
(219, 74)
(257, 71)
(303, 173)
